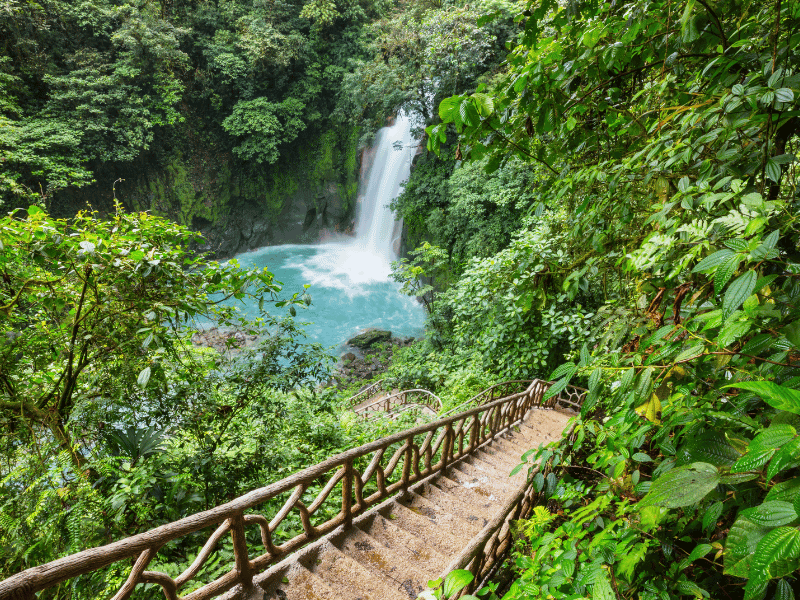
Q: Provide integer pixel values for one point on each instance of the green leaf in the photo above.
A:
(567, 369)
(709, 263)
(758, 343)
(601, 590)
(771, 514)
(774, 436)
(556, 388)
(783, 591)
(682, 486)
(594, 378)
(784, 95)
(787, 456)
(788, 490)
(777, 396)
(740, 544)
(782, 543)
(144, 377)
(456, 581)
(725, 271)
(711, 516)
(773, 170)
(712, 447)
(692, 351)
(485, 104)
(737, 292)
(700, 551)
(752, 460)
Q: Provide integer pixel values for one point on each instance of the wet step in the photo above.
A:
(382, 562)
(477, 500)
(477, 473)
(447, 515)
(496, 469)
(451, 502)
(347, 577)
(442, 540)
(298, 583)
(481, 485)
(405, 544)
(500, 461)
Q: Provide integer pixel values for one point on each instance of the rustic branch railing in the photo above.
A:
(364, 476)
(393, 401)
(365, 394)
(484, 554)
(570, 397)
(498, 390)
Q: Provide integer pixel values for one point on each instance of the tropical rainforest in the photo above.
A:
(608, 197)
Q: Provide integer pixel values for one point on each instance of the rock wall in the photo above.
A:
(308, 194)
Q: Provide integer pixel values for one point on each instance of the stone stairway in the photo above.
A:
(392, 551)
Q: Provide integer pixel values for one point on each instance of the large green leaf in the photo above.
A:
(456, 581)
(775, 395)
(737, 292)
(774, 436)
(682, 486)
(712, 448)
(771, 514)
(782, 543)
(709, 263)
(602, 588)
(740, 544)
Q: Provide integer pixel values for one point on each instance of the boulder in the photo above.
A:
(370, 337)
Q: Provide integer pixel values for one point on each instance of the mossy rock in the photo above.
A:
(370, 337)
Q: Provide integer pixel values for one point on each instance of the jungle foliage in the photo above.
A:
(113, 422)
(88, 86)
(658, 262)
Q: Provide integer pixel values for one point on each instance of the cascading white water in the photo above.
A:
(376, 227)
(349, 278)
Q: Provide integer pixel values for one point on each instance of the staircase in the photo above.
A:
(392, 552)
(376, 522)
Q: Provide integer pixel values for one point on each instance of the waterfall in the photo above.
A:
(376, 227)
(349, 277)
(367, 258)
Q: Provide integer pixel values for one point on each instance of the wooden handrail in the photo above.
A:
(422, 450)
(389, 403)
(367, 392)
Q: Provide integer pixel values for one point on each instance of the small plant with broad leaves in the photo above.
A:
(449, 587)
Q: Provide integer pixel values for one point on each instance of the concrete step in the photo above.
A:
(429, 532)
(454, 521)
(502, 462)
(412, 548)
(298, 583)
(479, 482)
(453, 504)
(499, 480)
(349, 578)
(383, 562)
(477, 501)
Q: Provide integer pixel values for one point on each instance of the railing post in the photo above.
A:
(347, 493)
(473, 432)
(407, 464)
(243, 566)
(447, 450)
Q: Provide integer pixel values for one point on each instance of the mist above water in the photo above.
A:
(349, 277)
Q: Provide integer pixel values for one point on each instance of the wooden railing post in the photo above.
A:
(347, 493)
(243, 566)
(407, 464)
(447, 447)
